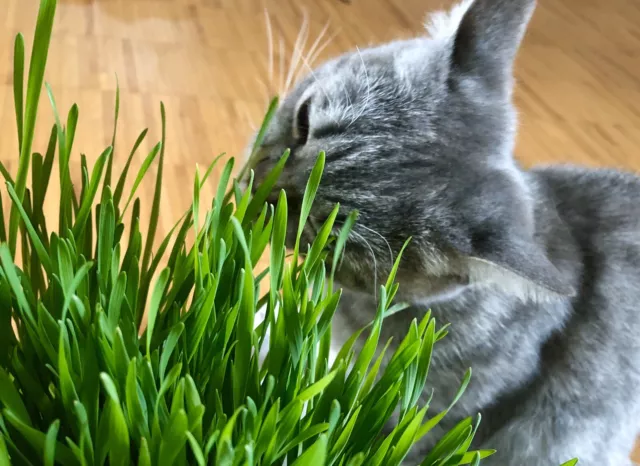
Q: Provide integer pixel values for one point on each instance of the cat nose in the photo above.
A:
(260, 172)
(294, 202)
(273, 197)
(254, 188)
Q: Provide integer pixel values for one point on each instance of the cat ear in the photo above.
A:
(488, 37)
(517, 265)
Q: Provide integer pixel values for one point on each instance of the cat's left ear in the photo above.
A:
(488, 38)
(517, 265)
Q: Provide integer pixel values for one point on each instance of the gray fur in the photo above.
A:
(538, 271)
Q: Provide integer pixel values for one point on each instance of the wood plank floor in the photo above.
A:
(578, 74)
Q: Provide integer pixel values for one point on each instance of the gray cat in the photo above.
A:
(538, 271)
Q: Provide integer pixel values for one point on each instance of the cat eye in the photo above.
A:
(301, 127)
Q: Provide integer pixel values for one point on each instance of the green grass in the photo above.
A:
(80, 386)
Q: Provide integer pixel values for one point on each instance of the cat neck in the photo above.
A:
(489, 311)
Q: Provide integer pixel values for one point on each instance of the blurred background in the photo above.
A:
(578, 75)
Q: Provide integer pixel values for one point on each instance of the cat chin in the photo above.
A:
(306, 238)
(417, 291)
(487, 275)
(353, 283)
(431, 299)
(472, 274)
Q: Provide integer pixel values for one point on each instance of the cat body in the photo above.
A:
(538, 271)
(555, 379)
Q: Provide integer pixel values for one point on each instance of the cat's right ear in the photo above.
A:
(488, 38)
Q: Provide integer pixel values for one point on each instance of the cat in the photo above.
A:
(537, 270)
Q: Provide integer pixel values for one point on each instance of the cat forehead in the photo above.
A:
(366, 80)
(400, 60)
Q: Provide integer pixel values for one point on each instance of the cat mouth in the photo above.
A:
(294, 211)
(309, 229)
(312, 227)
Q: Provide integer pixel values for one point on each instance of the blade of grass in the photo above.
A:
(572, 462)
(107, 175)
(70, 133)
(39, 53)
(265, 188)
(117, 194)
(154, 307)
(431, 423)
(87, 201)
(43, 184)
(5, 459)
(155, 209)
(33, 235)
(38, 439)
(105, 246)
(253, 159)
(210, 169)
(316, 454)
(11, 399)
(3, 232)
(5, 173)
(66, 192)
(18, 84)
(50, 444)
(341, 243)
(141, 174)
(12, 277)
(307, 200)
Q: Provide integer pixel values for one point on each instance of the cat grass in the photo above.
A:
(83, 382)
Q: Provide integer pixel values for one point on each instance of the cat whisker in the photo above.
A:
(349, 108)
(315, 44)
(368, 95)
(316, 223)
(281, 67)
(266, 88)
(315, 52)
(315, 77)
(322, 47)
(375, 263)
(298, 49)
(382, 237)
(250, 121)
(270, 50)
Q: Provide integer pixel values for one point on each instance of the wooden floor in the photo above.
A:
(578, 74)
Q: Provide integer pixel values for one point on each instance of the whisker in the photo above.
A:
(313, 57)
(316, 43)
(250, 121)
(366, 74)
(375, 264)
(301, 41)
(349, 105)
(383, 239)
(269, 43)
(266, 90)
(331, 102)
(324, 45)
(281, 77)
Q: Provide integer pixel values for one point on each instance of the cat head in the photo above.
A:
(419, 136)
